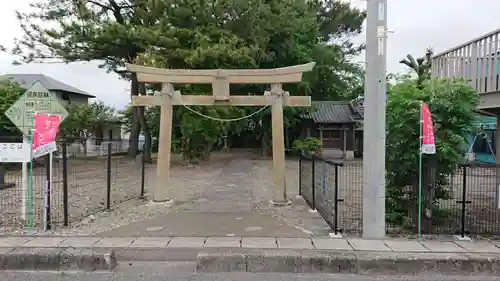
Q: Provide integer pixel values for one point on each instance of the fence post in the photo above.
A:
(463, 201)
(65, 182)
(143, 169)
(108, 177)
(300, 174)
(336, 198)
(313, 182)
(47, 192)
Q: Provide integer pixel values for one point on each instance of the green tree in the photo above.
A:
(10, 91)
(153, 122)
(421, 66)
(200, 34)
(396, 78)
(264, 35)
(112, 32)
(85, 120)
(452, 104)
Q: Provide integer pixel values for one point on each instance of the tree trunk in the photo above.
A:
(144, 125)
(429, 172)
(429, 193)
(148, 142)
(85, 148)
(135, 128)
(206, 152)
(187, 152)
(3, 171)
(263, 146)
(267, 149)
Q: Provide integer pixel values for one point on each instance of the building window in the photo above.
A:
(65, 97)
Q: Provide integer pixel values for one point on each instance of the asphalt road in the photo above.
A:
(184, 272)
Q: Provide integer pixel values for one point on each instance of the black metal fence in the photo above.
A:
(477, 199)
(319, 186)
(463, 202)
(81, 185)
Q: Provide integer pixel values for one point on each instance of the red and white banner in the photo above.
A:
(44, 138)
(428, 141)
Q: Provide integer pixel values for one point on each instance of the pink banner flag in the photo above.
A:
(44, 138)
(428, 141)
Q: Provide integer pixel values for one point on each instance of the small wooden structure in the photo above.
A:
(338, 124)
(220, 80)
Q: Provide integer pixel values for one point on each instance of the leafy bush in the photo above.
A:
(452, 104)
(310, 146)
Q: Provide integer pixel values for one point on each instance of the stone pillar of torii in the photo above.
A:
(220, 80)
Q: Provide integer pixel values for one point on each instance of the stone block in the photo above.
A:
(443, 247)
(150, 242)
(278, 260)
(43, 242)
(331, 244)
(399, 263)
(223, 242)
(295, 243)
(406, 246)
(157, 254)
(481, 264)
(115, 242)
(88, 259)
(187, 242)
(318, 261)
(5, 250)
(259, 242)
(79, 242)
(368, 245)
(14, 241)
(220, 261)
(31, 259)
(478, 246)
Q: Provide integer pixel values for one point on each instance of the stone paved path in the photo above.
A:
(230, 192)
(197, 224)
(227, 206)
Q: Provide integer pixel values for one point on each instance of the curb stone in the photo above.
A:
(362, 263)
(156, 254)
(221, 261)
(212, 260)
(56, 259)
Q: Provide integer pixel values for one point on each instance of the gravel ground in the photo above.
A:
(196, 187)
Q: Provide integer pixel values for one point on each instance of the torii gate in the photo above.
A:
(220, 80)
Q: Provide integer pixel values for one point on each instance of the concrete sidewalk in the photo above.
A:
(256, 254)
(320, 243)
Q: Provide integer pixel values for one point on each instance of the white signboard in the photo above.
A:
(14, 152)
(44, 149)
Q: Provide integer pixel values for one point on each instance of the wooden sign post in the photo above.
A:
(220, 80)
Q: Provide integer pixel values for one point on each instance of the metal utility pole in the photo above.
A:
(374, 121)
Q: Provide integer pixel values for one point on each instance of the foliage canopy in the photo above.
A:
(202, 34)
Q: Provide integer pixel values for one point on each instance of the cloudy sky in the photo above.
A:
(416, 25)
